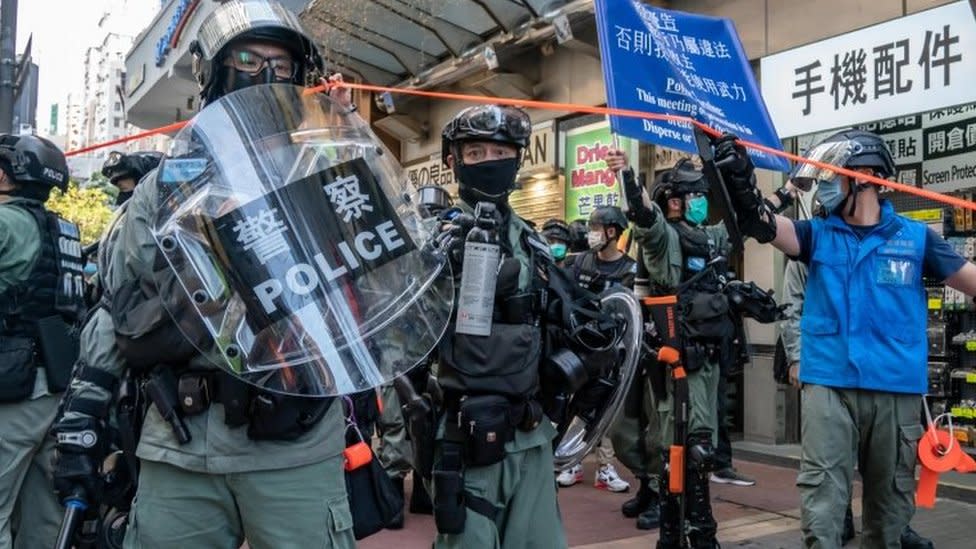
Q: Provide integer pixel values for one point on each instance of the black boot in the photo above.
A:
(641, 501)
(649, 519)
(911, 540)
(420, 503)
(397, 522)
(669, 513)
(701, 523)
(849, 533)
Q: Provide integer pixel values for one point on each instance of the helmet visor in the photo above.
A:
(837, 153)
(233, 19)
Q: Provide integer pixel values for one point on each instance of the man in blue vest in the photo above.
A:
(862, 381)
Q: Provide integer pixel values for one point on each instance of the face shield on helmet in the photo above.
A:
(847, 149)
(35, 164)
(238, 22)
(490, 180)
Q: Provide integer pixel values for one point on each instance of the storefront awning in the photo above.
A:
(387, 42)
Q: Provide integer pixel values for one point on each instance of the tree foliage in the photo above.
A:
(88, 207)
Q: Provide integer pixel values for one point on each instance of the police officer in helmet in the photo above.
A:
(603, 265)
(497, 491)
(41, 301)
(556, 232)
(125, 170)
(677, 247)
(226, 459)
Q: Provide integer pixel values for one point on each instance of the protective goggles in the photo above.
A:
(116, 165)
(251, 63)
(837, 154)
(490, 119)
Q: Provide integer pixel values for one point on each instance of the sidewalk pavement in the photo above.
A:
(765, 516)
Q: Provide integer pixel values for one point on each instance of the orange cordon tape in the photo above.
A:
(587, 109)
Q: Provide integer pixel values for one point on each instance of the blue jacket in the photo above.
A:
(864, 318)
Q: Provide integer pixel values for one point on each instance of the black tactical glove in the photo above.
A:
(77, 455)
(756, 219)
(450, 238)
(749, 301)
(637, 211)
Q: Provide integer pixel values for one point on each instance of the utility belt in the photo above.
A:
(268, 416)
(475, 432)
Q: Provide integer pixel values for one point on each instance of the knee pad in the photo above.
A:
(701, 453)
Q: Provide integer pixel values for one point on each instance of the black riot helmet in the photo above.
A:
(34, 164)
(609, 216)
(577, 234)
(556, 229)
(237, 21)
(494, 180)
(680, 180)
(134, 166)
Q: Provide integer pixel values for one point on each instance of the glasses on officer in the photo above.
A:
(249, 62)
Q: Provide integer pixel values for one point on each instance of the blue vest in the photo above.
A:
(864, 316)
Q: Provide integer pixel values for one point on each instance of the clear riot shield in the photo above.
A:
(295, 247)
(595, 406)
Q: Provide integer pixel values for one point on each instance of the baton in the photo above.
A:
(74, 510)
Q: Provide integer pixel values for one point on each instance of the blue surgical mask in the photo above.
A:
(558, 250)
(696, 210)
(829, 195)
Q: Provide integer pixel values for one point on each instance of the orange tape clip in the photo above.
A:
(357, 455)
(936, 460)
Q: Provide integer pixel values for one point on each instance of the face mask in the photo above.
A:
(596, 240)
(558, 251)
(696, 210)
(488, 181)
(122, 197)
(829, 195)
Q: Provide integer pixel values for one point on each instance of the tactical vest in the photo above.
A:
(56, 285)
(506, 362)
(697, 250)
(587, 273)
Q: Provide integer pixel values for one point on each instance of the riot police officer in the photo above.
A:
(678, 248)
(41, 302)
(218, 460)
(603, 265)
(125, 170)
(557, 234)
(498, 490)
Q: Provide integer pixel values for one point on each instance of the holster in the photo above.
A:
(58, 345)
(418, 413)
(448, 479)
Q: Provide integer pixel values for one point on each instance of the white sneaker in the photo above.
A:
(608, 479)
(571, 476)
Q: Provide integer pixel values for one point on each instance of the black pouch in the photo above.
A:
(449, 508)
(17, 369)
(705, 316)
(58, 345)
(278, 417)
(695, 356)
(373, 499)
(487, 425)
